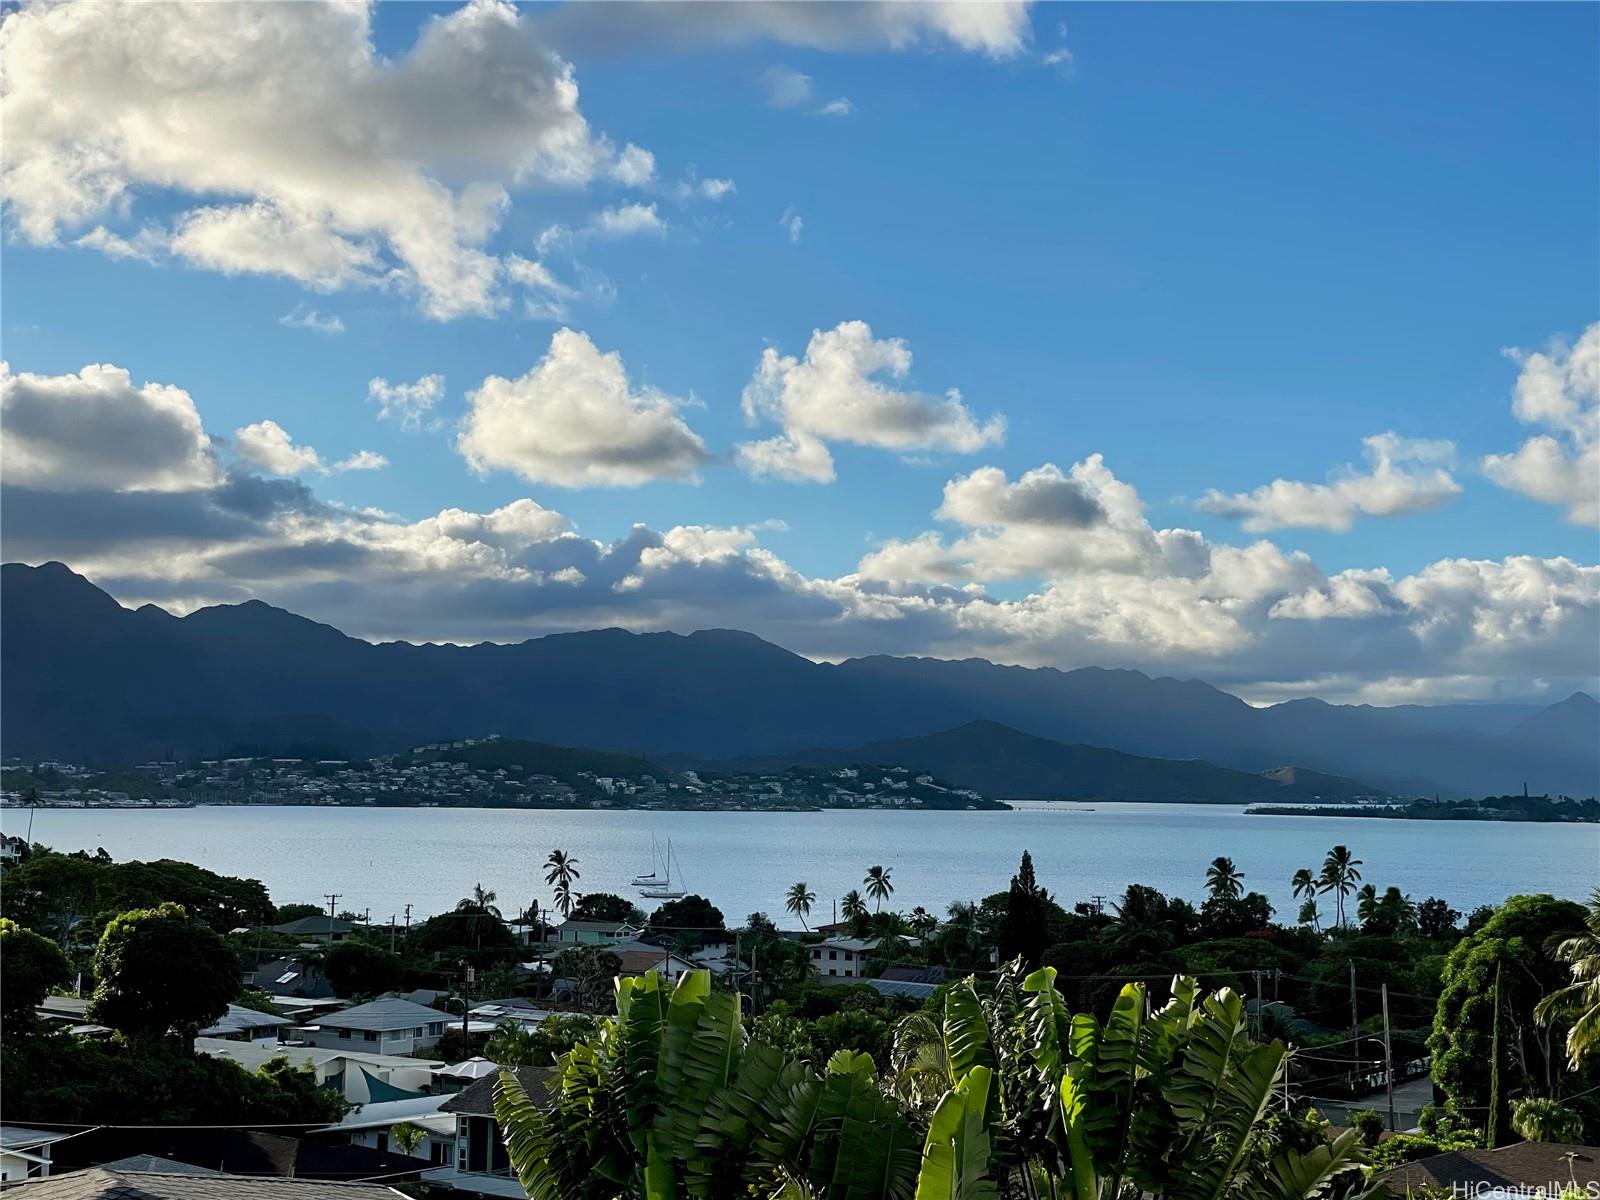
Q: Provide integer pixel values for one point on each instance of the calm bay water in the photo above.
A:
(385, 858)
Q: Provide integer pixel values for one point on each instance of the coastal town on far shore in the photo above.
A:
(454, 774)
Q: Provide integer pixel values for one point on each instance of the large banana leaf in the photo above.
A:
(967, 1038)
(955, 1157)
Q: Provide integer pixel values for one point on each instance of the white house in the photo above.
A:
(389, 1026)
(480, 1164)
(845, 957)
(358, 1076)
(25, 1152)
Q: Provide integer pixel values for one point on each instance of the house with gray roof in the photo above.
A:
(98, 1183)
(480, 1163)
(388, 1026)
(316, 929)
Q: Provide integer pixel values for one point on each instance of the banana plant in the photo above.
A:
(1004, 1092)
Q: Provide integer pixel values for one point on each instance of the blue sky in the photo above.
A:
(1216, 245)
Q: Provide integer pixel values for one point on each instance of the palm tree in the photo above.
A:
(560, 870)
(1579, 999)
(878, 885)
(923, 922)
(1367, 904)
(853, 906)
(1224, 880)
(481, 901)
(1304, 884)
(1340, 875)
(798, 900)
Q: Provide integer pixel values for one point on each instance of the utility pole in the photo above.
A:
(1261, 1022)
(408, 920)
(1355, 1027)
(467, 978)
(392, 926)
(333, 899)
(1388, 1062)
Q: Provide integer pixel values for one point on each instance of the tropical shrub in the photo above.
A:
(1007, 1090)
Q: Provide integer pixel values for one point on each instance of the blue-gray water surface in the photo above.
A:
(384, 858)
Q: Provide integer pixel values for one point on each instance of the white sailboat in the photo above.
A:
(665, 891)
(652, 879)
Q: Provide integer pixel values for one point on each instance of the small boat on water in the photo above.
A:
(652, 879)
(664, 890)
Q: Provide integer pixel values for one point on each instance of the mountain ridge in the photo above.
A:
(90, 680)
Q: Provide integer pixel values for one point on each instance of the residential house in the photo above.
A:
(358, 1076)
(12, 850)
(841, 956)
(1507, 1173)
(290, 977)
(326, 930)
(25, 1152)
(97, 1183)
(370, 1126)
(671, 967)
(391, 1026)
(480, 1163)
(232, 1152)
(601, 933)
(240, 1024)
(71, 1011)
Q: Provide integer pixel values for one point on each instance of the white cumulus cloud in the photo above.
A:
(576, 421)
(847, 389)
(1559, 389)
(267, 445)
(96, 430)
(316, 157)
(1403, 475)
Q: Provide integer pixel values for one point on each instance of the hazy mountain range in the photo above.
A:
(85, 679)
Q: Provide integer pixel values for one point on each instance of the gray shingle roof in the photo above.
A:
(392, 1013)
(310, 925)
(478, 1099)
(239, 1019)
(1525, 1165)
(97, 1183)
(154, 1164)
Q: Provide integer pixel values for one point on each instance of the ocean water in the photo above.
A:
(384, 858)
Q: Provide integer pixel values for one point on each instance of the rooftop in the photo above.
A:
(477, 1100)
(1522, 1167)
(98, 1183)
(390, 1013)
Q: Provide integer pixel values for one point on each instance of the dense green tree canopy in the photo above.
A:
(86, 1081)
(692, 912)
(159, 972)
(53, 891)
(606, 906)
(361, 969)
(1514, 941)
(30, 967)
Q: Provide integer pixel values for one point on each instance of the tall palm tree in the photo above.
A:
(1579, 999)
(560, 870)
(853, 906)
(798, 900)
(1224, 880)
(1304, 884)
(878, 885)
(1340, 874)
(923, 921)
(481, 901)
